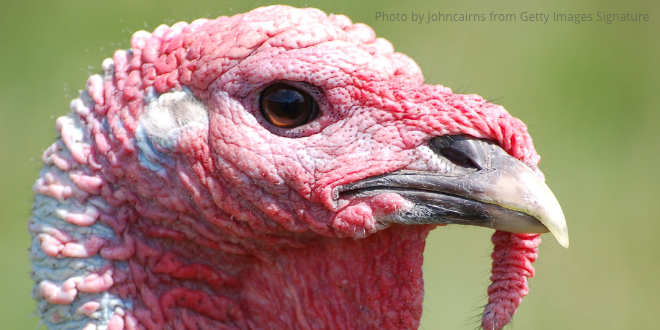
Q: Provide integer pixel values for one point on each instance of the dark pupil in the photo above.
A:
(287, 106)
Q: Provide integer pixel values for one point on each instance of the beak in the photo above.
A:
(485, 187)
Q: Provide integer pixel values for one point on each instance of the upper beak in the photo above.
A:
(497, 191)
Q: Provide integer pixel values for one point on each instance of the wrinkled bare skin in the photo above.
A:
(168, 202)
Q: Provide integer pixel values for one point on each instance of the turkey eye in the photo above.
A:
(286, 106)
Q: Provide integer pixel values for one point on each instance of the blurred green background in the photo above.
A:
(588, 92)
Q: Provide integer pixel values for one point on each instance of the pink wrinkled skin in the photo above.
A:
(233, 225)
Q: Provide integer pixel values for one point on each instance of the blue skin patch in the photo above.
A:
(149, 157)
(47, 215)
(150, 95)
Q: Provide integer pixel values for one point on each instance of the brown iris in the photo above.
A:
(286, 106)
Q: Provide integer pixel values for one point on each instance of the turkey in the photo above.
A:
(278, 169)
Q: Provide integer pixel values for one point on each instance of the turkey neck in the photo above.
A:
(370, 283)
(324, 283)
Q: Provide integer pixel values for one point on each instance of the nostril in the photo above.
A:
(462, 150)
(458, 158)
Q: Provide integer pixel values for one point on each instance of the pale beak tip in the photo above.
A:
(562, 238)
(561, 234)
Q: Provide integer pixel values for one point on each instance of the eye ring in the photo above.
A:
(286, 106)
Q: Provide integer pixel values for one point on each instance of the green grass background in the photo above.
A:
(588, 92)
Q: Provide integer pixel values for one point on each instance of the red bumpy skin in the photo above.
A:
(168, 202)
